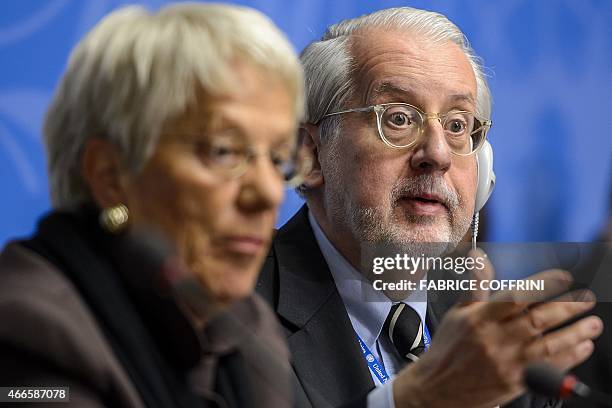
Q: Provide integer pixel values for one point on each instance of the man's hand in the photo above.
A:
(482, 347)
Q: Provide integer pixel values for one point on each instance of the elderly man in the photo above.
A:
(398, 109)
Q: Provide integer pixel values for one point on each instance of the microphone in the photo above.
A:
(149, 263)
(544, 379)
(171, 295)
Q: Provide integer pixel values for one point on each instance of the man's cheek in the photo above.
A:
(364, 192)
(371, 181)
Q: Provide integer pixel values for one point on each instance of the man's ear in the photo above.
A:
(102, 171)
(310, 141)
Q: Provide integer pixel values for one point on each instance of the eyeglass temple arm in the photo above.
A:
(366, 109)
(484, 124)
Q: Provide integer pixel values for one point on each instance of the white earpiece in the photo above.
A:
(486, 176)
(486, 182)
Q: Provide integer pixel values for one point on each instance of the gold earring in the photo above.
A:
(115, 219)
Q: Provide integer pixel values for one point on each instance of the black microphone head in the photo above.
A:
(544, 379)
(141, 255)
(146, 249)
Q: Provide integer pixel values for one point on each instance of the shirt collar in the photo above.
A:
(367, 308)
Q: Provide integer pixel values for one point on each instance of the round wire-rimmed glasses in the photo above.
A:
(401, 126)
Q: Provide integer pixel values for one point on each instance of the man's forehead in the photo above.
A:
(404, 64)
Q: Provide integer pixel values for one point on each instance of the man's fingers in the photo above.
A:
(552, 345)
(545, 316)
(570, 358)
(486, 273)
(556, 281)
(508, 303)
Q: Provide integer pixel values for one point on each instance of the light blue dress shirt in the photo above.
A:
(367, 316)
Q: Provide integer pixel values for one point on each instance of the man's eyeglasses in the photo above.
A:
(401, 125)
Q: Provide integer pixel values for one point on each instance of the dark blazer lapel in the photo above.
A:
(326, 355)
(432, 319)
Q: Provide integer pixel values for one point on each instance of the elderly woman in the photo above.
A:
(182, 121)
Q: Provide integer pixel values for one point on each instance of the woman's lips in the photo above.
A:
(245, 245)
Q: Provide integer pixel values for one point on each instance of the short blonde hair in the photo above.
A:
(135, 70)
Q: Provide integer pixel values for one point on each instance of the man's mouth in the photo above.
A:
(424, 204)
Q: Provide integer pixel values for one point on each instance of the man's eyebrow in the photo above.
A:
(388, 88)
(462, 98)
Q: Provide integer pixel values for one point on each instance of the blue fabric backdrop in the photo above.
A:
(550, 66)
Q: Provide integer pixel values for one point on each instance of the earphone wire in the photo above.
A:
(475, 221)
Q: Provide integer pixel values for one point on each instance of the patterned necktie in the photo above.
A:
(405, 329)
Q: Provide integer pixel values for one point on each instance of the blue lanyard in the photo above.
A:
(426, 337)
(377, 368)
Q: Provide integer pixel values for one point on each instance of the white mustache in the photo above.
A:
(426, 184)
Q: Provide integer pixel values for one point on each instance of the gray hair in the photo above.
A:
(135, 70)
(328, 63)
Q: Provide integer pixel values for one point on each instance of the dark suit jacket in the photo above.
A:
(327, 359)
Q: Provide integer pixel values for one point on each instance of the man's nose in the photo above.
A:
(432, 152)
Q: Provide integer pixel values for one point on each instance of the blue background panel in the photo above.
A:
(550, 71)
